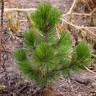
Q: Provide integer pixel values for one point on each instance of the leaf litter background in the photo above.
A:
(83, 84)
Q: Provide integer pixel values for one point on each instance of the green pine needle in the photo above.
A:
(82, 55)
(46, 17)
(29, 38)
(65, 43)
(20, 55)
(43, 53)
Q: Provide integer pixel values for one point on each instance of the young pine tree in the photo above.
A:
(44, 56)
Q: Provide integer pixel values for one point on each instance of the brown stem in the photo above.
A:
(46, 29)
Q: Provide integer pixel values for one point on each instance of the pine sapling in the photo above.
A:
(46, 57)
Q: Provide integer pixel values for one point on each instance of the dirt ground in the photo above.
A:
(82, 84)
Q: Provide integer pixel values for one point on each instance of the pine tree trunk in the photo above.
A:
(47, 92)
